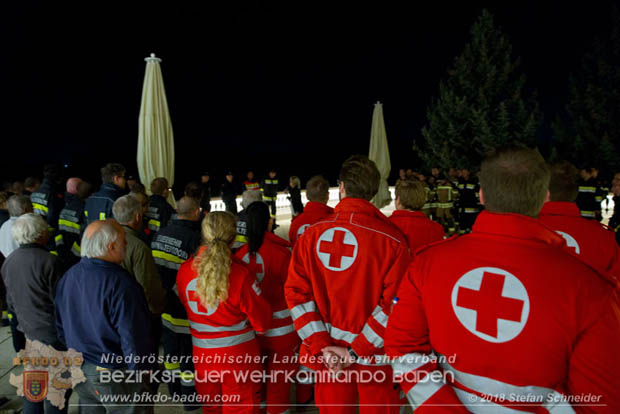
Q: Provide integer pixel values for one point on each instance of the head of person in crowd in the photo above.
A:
(453, 173)
(104, 240)
(18, 205)
(259, 221)
(272, 173)
(250, 196)
(114, 173)
(410, 195)
(132, 180)
(250, 175)
(213, 264)
(18, 187)
(514, 179)
(84, 190)
(142, 198)
(294, 182)
(159, 186)
(402, 174)
(204, 178)
(127, 211)
(7, 186)
(564, 182)
(585, 173)
(138, 188)
(73, 184)
(359, 178)
(435, 172)
(52, 173)
(465, 173)
(193, 189)
(32, 184)
(410, 173)
(4, 197)
(317, 189)
(188, 208)
(30, 228)
(594, 172)
(229, 176)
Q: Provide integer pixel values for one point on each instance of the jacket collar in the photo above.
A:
(560, 208)
(316, 207)
(32, 246)
(99, 262)
(130, 230)
(358, 205)
(112, 187)
(516, 226)
(408, 213)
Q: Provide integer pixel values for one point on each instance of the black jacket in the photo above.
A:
(205, 202)
(99, 205)
(47, 202)
(30, 275)
(229, 190)
(159, 213)
(71, 225)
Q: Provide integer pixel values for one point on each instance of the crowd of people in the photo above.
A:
(355, 311)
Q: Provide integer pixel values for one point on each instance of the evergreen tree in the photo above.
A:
(590, 136)
(480, 105)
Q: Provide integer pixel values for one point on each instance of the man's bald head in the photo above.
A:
(188, 209)
(104, 240)
(72, 185)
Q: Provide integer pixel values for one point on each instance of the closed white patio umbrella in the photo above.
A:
(380, 154)
(155, 137)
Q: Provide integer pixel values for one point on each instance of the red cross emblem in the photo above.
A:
(491, 303)
(256, 264)
(337, 248)
(193, 300)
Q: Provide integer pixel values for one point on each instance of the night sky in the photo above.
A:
(256, 84)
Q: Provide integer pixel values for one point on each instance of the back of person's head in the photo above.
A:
(317, 189)
(564, 183)
(514, 179)
(126, 208)
(84, 190)
(159, 185)
(411, 193)
(360, 177)
(97, 238)
(193, 189)
(138, 188)
(295, 181)
(4, 197)
(213, 264)
(29, 228)
(110, 171)
(257, 224)
(31, 182)
(73, 184)
(186, 208)
(249, 197)
(18, 205)
(18, 187)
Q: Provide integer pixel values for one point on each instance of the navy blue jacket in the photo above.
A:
(159, 213)
(47, 202)
(101, 310)
(99, 205)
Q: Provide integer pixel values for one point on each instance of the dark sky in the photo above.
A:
(256, 84)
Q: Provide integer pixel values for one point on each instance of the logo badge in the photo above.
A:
(35, 385)
(256, 264)
(302, 229)
(337, 249)
(194, 301)
(570, 240)
(491, 303)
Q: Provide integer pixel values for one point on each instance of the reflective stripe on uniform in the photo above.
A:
(267, 198)
(201, 327)
(54, 252)
(69, 226)
(341, 334)
(175, 328)
(302, 309)
(588, 214)
(40, 208)
(59, 240)
(470, 186)
(423, 390)
(471, 210)
(554, 401)
(586, 189)
(222, 342)
(283, 330)
(241, 239)
(167, 260)
(283, 314)
(409, 362)
(372, 337)
(154, 225)
(76, 249)
(172, 365)
(311, 328)
(380, 316)
(101, 216)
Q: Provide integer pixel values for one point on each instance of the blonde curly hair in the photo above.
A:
(213, 264)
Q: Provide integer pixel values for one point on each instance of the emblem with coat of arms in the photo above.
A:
(35, 385)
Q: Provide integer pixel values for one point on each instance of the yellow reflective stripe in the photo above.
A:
(76, 249)
(174, 321)
(187, 376)
(154, 224)
(68, 223)
(41, 207)
(85, 213)
(54, 252)
(101, 216)
(167, 256)
(241, 239)
(172, 365)
(57, 238)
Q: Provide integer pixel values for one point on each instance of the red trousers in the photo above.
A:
(281, 366)
(372, 385)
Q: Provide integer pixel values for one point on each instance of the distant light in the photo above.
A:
(66, 165)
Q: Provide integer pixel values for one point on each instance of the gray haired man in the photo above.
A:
(30, 275)
(17, 205)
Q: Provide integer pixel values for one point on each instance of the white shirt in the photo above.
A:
(7, 243)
